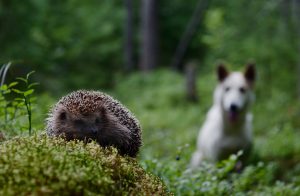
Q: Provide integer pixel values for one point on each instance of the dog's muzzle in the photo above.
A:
(234, 111)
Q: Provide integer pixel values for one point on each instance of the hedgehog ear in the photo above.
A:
(222, 72)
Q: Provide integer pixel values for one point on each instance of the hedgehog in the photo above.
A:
(93, 115)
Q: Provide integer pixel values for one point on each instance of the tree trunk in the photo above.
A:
(191, 82)
(177, 61)
(149, 32)
(128, 34)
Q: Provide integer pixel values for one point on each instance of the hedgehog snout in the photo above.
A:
(93, 129)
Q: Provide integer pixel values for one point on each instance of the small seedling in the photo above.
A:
(26, 97)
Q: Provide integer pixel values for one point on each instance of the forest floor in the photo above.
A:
(170, 126)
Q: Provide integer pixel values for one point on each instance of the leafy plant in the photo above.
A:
(16, 103)
(10, 107)
(26, 97)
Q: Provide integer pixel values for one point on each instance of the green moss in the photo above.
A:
(39, 165)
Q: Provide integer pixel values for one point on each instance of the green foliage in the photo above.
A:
(26, 97)
(79, 44)
(174, 17)
(239, 31)
(16, 103)
(171, 124)
(39, 165)
(170, 127)
(73, 41)
(10, 109)
(70, 41)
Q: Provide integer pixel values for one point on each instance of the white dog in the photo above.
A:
(228, 125)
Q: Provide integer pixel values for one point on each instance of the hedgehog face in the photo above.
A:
(80, 126)
(93, 115)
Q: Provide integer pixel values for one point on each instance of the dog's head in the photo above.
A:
(235, 90)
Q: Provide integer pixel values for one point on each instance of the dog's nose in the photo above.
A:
(233, 108)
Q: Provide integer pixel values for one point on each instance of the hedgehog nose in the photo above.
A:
(94, 130)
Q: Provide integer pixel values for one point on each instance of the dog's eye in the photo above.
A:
(227, 89)
(242, 90)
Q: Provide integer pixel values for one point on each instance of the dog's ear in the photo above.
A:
(222, 72)
(250, 73)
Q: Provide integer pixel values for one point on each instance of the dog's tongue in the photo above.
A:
(233, 116)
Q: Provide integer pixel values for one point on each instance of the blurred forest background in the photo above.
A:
(152, 55)
(69, 42)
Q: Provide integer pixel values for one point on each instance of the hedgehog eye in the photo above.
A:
(62, 116)
(227, 89)
(97, 121)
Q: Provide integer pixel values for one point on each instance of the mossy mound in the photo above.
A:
(44, 166)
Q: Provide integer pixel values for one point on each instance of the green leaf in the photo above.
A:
(3, 87)
(7, 91)
(15, 103)
(22, 79)
(17, 91)
(20, 104)
(12, 84)
(33, 84)
(29, 92)
(28, 75)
